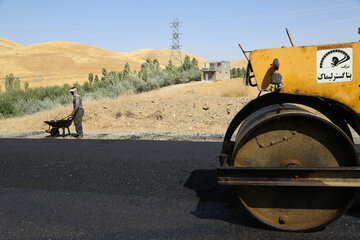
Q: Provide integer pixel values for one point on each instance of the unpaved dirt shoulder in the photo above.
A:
(167, 136)
(197, 107)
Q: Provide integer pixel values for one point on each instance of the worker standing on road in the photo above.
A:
(78, 112)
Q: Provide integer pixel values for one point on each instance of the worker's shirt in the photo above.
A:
(77, 102)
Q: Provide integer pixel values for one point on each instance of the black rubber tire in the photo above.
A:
(55, 132)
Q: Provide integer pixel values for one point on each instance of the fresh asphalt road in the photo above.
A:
(127, 189)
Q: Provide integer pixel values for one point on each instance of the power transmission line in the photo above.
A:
(175, 47)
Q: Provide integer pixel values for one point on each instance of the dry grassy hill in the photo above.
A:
(240, 63)
(56, 63)
(6, 44)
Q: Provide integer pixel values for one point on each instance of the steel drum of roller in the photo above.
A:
(286, 136)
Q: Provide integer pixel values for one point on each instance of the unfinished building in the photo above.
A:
(216, 70)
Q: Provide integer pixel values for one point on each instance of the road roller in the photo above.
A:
(290, 153)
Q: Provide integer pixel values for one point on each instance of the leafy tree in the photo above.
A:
(156, 65)
(9, 82)
(148, 69)
(112, 76)
(96, 78)
(144, 70)
(17, 84)
(170, 68)
(26, 85)
(127, 70)
(243, 72)
(194, 63)
(12, 83)
(235, 72)
(150, 65)
(121, 75)
(104, 72)
(91, 77)
(187, 63)
(87, 86)
(238, 72)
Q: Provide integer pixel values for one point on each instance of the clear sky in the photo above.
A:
(211, 29)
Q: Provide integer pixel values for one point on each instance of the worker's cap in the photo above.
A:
(73, 89)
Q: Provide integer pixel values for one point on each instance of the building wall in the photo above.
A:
(210, 75)
(216, 70)
(222, 76)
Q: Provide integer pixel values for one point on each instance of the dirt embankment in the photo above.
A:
(198, 107)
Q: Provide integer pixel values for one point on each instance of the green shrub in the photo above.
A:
(31, 106)
(26, 85)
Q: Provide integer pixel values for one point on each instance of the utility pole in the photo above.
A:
(175, 47)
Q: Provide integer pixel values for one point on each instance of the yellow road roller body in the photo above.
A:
(331, 71)
(293, 162)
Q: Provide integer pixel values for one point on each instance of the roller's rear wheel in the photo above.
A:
(291, 137)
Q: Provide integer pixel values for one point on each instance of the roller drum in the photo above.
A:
(287, 136)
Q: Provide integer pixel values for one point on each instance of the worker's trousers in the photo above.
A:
(78, 121)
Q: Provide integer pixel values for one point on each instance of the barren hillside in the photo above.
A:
(6, 44)
(240, 63)
(56, 63)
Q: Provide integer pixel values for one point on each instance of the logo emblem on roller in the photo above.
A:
(334, 65)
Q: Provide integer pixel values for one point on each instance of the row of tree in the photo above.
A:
(148, 69)
(12, 83)
(237, 72)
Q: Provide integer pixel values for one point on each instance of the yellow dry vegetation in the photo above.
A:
(229, 88)
(6, 44)
(193, 107)
(57, 63)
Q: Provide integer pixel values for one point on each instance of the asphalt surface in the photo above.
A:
(127, 189)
